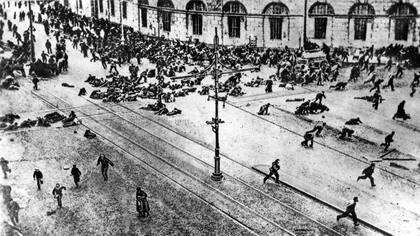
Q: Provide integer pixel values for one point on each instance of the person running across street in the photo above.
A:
(350, 211)
(367, 173)
(275, 167)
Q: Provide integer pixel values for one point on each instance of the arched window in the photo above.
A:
(143, 11)
(321, 10)
(404, 13)
(234, 10)
(196, 18)
(361, 12)
(166, 14)
(276, 12)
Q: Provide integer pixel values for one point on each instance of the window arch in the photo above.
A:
(321, 8)
(362, 9)
(276, 12)
(276, 8)
(196, 6)
(165, 3)
(165, 14)
(402, 10)
(234, 21)
(234, 7)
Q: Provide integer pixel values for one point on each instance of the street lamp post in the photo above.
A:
(217, 174)
(304, 22)
(216, 121)
(31, 31)
(121, 19)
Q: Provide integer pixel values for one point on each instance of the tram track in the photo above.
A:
(209, 148)
(278, 229)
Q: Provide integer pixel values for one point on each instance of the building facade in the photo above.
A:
(349, 23)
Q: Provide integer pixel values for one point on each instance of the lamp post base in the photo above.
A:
(217, 177)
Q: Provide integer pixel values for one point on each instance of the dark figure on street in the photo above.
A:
(13, 209)
(350, 211)
(264, 109)
(35, 81)
(142, 205)
(105, 162)
(376, 85)
(44, 57)
(113, 67)
(269, 87)
(48, 46)
(354, 121)
(377, 98)
(367, 173)
(319, 126)
(75, 172)
(400, 70)
(401, 112)
(354, 74)
(58, 194)
(82, 92)
(339, 86)
(388, 64)
(320, 96)
(415, 83)
(5, 167)
(388, 140)
(38, 177)
(371, 69)
(275, 167)
(371, 78)
(346, 132)
(390, 83)
(103, 61)
(308, 138)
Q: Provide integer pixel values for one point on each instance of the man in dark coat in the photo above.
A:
(48, 46)
(264, 109)
(367, 173)
(275, 167)
(142, 205)
(350, 211)
(58, 193)
(269, 87)
(320, 96)
(75, 172)
(388, 140)
(401, 112)
(308, 137)
(4, 166)
(105, 162)
(38, 177)
(390, 83)
(35, 80)
(377, 98)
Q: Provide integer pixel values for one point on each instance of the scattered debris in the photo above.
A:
(295, 100)
(393, 164)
